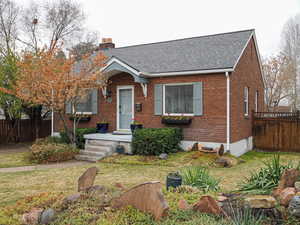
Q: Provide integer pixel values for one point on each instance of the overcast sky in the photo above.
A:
(138, 21)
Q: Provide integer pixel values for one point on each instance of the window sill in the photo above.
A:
(178, 114)
(83, 113)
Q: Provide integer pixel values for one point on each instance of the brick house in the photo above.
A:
(216, 80)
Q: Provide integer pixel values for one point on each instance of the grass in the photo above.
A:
(130, 171)
(17, 159)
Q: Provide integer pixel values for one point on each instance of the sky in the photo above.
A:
(134, 22)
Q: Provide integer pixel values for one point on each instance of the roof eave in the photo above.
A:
(181, 73)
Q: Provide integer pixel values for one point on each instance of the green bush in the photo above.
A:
(266, 179)
(45, 150)
(154, 141)
(199, 177)
(79, 136)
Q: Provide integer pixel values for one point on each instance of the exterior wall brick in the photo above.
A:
(246, 74)
(211, 127)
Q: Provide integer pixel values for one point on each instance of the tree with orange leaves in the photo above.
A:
(52, 81)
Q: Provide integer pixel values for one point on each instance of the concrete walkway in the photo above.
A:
(42, 167)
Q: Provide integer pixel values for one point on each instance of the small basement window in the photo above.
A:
(246, 101)
(178, 99)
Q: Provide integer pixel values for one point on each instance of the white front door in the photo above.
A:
(124, 107)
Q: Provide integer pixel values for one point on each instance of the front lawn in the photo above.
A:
(130, 171)
(17, 159)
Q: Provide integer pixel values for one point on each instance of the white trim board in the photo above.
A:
(124, 87)
(113, 59)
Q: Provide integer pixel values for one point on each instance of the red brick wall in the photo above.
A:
(210, 127)
(247, 73)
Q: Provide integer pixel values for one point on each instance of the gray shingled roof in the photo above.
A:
(218, 51)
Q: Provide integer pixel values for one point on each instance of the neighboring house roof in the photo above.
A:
(211, 52)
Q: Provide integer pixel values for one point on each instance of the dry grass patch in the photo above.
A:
(17, 159)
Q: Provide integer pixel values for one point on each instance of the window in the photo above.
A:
(256, 101)
(178, 99)
(246, 101)
(85, 106)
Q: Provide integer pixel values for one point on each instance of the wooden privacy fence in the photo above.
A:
(276, 131)
(23, 131)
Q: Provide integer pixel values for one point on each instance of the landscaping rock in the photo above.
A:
(286, 195)
(33, 217)
(294, 206)
(71, 199)
(288, 178)
(226, 162)
(297, 186)
(146, 197)
(163, 156)
(260, 201)
(86, 180)
(276, 192)
(183, 205)
(208, 205)
(222, 198)
(47, 216)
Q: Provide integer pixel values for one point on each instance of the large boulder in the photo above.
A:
(33, 217)
(208, 205)
(146, 197)
(260, 202)
(286, 195)
(288, 178)
(86, 180)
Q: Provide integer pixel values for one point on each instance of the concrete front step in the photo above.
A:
(102, 148)
(100, 143)
(88, 158)
(93, 153)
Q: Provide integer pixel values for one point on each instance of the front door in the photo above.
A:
(125, 107)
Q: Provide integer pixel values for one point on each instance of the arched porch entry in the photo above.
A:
(125, 105)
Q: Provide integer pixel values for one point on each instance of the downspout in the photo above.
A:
(227, 111)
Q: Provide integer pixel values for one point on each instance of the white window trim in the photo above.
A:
(164, 100)
(120, 87)
(246, 100)
(256, 100)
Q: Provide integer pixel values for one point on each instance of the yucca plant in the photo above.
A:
(200, 178)
(266, 179)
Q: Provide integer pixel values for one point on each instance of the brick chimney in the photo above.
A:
(106, 44)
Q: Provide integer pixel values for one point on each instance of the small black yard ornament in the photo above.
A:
(174, 180)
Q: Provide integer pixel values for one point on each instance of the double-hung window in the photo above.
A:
(178, 99)
(246, 101)
(256, 101)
